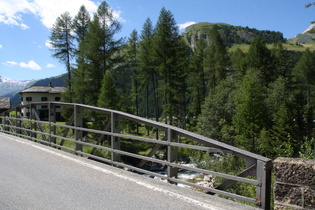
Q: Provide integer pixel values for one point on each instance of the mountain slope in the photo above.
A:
(305, 36)
(231, 34)
(55, 81)
(10, 86)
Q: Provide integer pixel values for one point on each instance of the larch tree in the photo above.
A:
(238, 62)
(304, 81)
(108, 97)
(281, 61)
(102, 49)
(132, 60)
(216, 61)
(251, 114)
(79, 82)
(148, 73)
(180, 86)
(81, 23)
(62, 41)
(196, 78)
(259, 58)
(278, 138)
(166, 39)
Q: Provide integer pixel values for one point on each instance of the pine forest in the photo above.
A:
(261, 99)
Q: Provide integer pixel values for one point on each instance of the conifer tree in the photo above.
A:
(304, 81)
(102, 49)
(304, 74)
(196, 78)
(278, 138)
(132, 59)
(282, 62)
(180, 83)
(79, 81)
(62, 41)
(149, 74)
(217, 60)
(167, 41)
(215, 121)
(81, 24)
(238, 62)
(108, 97)
(251, 114)
(259, 58)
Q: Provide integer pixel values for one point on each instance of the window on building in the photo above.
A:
(44, 99)
(44, 106)
(57, 107)
(57, 98)
(28, 98)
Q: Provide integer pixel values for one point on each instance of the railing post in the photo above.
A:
(32, 123)
(1, 122)
(77, 124)
(52, 119)
(18, 123)
(115, 141)
(263, 191)
(172, 154)
(6, 122)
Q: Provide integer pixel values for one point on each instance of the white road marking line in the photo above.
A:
(151, 187)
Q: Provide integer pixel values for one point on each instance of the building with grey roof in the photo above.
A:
(5, 104)
(42, 94)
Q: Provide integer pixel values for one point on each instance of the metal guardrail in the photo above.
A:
(110, 140)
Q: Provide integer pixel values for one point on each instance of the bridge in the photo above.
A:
(115, 144)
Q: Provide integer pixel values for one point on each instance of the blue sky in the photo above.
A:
(25, 24)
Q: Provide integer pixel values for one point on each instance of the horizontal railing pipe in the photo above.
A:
(35, 129)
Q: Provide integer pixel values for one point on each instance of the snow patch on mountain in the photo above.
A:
(10, 86)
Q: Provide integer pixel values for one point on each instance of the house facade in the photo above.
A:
(42, 94)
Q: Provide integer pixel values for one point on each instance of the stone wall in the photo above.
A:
(294, 186)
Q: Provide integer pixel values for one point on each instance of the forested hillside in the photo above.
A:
(230, 34)
(55, 81)
(261, 100)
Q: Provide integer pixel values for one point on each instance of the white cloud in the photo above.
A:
(49, 10)
(46, 10)
(116, 14)
(48, 44)
(49, 65)
(184, 25)
(11, 63)
(24, 27)
(0, 46)
(11, 11)
(30, 65)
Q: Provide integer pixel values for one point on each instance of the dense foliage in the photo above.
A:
(261, 100)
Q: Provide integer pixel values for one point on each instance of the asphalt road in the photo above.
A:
(33, 176)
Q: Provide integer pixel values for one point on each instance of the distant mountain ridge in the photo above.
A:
(55, 81)
(10, 87)
(231, 34)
